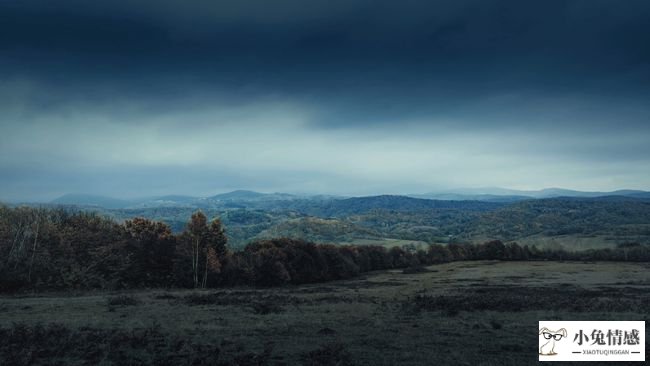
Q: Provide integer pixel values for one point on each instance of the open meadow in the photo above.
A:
(324, 183)
(463, 313)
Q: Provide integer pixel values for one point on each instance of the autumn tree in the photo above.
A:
(458, 251)
(494, 249)
(208, 243)
(439, 254)
(80, 252)
(512, 252)
(197, 229)
(151, 245)
(214, 249)
(269, 263)
(21, 230)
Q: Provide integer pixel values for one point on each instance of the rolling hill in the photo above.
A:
(569, 222)
(505, 195)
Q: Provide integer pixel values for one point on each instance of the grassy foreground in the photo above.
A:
(462, 313)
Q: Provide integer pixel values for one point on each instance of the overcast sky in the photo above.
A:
(138, 98)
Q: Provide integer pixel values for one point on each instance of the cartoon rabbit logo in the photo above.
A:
(550, 337)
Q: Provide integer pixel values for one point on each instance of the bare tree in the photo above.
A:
(215, 249)
(198, 229)
(208, 247)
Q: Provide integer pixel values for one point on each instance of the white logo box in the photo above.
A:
(591, 341)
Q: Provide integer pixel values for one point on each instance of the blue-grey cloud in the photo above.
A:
(344, 96)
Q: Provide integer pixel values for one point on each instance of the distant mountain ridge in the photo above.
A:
(244, 195)
(568, 221)
(247, 198)
(358, 205)
(91, 200)
(512, 195)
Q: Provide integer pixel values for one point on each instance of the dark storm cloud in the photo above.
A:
(360, 63)
(394, 49)
(566, 81)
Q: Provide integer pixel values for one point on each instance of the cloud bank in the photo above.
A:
(345, 97)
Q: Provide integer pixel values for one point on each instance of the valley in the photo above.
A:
(569, 223)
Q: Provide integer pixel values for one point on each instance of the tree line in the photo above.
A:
(55, 249)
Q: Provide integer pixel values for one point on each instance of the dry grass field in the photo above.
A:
(462, 313)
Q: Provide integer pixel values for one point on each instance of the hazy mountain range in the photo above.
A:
(235, 198)
(511, 195)
(173, 200)
(547, 218)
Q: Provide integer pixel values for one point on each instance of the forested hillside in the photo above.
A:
(48, 249)
(612, 220)
(568, 223)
